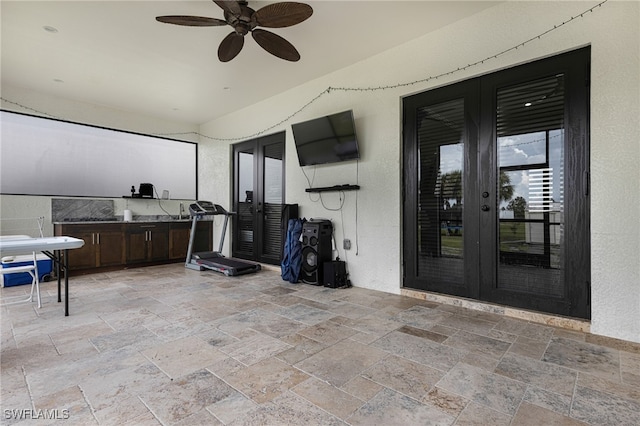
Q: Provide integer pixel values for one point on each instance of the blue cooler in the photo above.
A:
(45, 266)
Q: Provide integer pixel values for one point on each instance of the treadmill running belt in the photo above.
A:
(230, 263)
(229, 266)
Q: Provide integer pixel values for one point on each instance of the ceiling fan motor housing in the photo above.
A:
(244, 22)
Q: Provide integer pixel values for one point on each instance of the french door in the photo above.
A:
(258, 198)
(496, 203)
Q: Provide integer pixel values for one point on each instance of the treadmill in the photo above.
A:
(214, 260)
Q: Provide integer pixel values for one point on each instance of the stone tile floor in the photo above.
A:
(170, 346)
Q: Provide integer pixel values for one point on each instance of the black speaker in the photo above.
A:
(334, 274)
(316, 249)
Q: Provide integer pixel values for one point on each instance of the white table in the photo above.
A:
(52, 247)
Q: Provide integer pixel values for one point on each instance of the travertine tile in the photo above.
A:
(472, 342)
(287, 409)
(420, 350)
(302, 348)
(327, 332)
(341, 362)
(620, 389)
(478, 415)
(231, 408)
(492, 390)
(305, 314)
(135, 338)
(447, 402)
(254, 350)
(541, 374)
(182, 397)
(630, 368)
(589, 358)
(422, 316)
(392, 408)
(596, 407)
(328, 397)
(551, 401)
(266, 379)
(473, 325)
(528, 347)
(532, 415)
(404, 376)
(418, 332)
(183, 356)
(362, 388)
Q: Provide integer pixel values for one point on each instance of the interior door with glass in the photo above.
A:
(258, 198)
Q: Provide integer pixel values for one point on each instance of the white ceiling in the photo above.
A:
(115, 54)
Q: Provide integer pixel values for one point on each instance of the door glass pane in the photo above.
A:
(245, 202)
(530, 144)
(271, 243)
(440, 197)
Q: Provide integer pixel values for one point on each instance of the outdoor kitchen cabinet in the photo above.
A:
(179, 233)
(147, 242)
(103, 245)
(109, 246)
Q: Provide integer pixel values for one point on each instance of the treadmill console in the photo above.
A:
(206, 208)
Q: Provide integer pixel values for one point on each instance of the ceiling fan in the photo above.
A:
(243, 19)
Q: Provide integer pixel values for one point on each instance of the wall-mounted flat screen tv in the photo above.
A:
(328, 139)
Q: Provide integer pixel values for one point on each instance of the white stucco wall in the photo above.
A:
(375, 227)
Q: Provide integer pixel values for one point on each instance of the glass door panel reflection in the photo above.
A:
(530, 154)
(273, 200)
(440, 193)
(245, 217)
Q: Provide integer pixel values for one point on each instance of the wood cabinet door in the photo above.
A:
(158, 243)
(136, 239)
(179, 234)
(111, 247)
(86, 256)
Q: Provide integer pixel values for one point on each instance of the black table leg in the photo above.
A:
(58, 269)
(66, 282)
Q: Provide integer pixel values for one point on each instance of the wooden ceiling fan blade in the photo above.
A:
(191, 21)
(283, 14)
(229, 6)
(230, 46)
(275, 45)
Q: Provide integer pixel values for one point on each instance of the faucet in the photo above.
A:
(181, 211)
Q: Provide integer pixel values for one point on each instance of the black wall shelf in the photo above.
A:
(334, 188)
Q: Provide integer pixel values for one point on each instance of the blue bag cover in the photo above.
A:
(292, 255)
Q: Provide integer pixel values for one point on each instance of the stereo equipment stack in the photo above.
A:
(316, 250)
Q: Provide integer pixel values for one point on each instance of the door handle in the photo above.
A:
(485, 208)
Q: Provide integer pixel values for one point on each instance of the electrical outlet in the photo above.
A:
(346, 244)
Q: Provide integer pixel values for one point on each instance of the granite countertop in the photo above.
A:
(119, 219)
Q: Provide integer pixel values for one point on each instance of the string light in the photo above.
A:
(330, 89)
